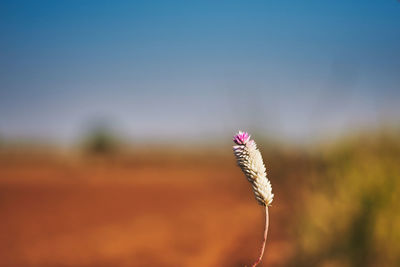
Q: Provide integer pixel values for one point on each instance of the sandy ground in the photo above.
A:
(79, 212)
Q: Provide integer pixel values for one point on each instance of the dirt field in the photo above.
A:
(186, 211)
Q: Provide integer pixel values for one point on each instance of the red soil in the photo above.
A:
(114, 213)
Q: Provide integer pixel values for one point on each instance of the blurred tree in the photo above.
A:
(101, 140)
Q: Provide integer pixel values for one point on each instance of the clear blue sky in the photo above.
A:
(190, 69)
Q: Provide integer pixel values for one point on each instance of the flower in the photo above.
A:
(250, 161)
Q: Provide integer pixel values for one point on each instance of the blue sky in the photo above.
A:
(193, 69)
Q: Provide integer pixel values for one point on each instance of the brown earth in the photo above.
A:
(63, 211)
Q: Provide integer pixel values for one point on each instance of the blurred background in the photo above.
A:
(116, 125)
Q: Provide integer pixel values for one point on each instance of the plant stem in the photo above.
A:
(265, 237)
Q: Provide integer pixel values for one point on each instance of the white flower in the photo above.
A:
(250, 161)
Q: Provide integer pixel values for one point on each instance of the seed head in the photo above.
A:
(250, 161)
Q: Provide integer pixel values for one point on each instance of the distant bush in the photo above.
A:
(101, 140)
